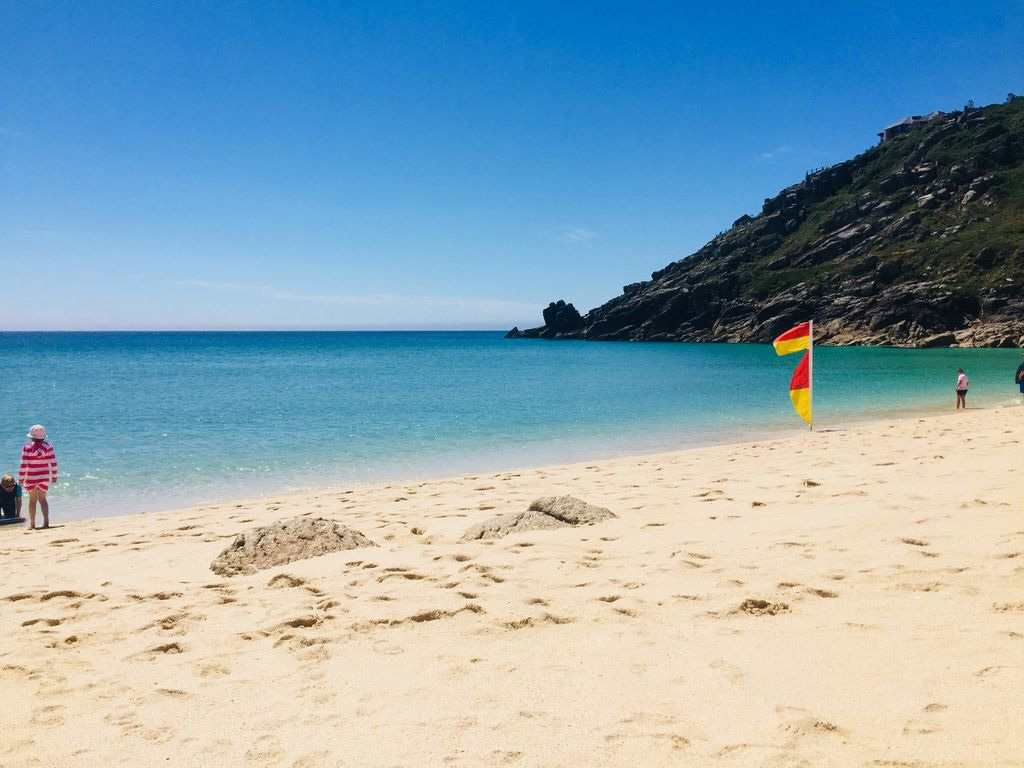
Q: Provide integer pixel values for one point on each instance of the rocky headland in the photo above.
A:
(916, 242)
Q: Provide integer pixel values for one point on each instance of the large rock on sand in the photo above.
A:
(544, 513)
(283, 542)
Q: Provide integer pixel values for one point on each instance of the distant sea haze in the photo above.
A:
(148, 421)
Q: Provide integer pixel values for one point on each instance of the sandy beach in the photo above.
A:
(847, 598)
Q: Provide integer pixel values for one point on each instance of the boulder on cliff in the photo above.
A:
(560, 317)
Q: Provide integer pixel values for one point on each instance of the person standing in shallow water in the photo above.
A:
(37, 473)
(1020, 380)
(961, 388)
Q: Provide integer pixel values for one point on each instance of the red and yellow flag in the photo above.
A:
(800, 388)
(795, 340)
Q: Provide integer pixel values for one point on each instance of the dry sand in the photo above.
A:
(842, 598)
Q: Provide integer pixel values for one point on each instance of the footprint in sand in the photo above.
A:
(1008, 607)
(811, 726)
(931, 586)
(313, 759)
(213, 670)
(62, 593)
(929, 722)
(265, 751)
(164, 649)
(536, 621)
(173, 693)
(171, 623)
(731, 671)
(284, 580)
(822, 592)
(914, 542)
(48, 716)
(987, 671)
(642, 731)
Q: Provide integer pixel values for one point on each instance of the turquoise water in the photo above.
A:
(146, 421)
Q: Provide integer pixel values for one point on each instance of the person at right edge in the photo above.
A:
(961, 388)
(38, 471)
(1019, 378)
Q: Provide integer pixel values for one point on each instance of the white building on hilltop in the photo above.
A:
(904, 125)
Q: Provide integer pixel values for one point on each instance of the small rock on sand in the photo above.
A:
(283, 542)
(544, 513)
(756, 607)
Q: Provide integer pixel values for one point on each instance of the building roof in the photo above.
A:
(911, 119)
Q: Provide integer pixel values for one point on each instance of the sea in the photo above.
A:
(151, 421)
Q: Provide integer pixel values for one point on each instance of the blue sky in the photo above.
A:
(429, 165)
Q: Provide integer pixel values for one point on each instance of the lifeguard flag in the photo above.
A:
(793, 340)
(800, 387)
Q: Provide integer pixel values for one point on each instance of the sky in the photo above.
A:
(442, 165)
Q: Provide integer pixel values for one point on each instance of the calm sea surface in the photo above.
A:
(147, 421)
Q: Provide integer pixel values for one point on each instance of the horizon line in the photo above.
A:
(253, 330)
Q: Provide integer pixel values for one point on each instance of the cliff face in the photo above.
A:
(917, 242)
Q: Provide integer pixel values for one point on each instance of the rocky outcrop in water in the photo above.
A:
(561, 321)
(916, 242)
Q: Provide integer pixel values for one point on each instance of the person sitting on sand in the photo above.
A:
(10, 498)
(961, 388)
(38, 471)
(1020, 381)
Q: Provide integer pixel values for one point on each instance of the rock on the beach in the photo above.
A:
(283, 542)
(544, 513)
(570, 510)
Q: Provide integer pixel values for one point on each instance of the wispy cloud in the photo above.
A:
(777, 152)
(269, 292)
(785, 150)
(576, 234)
(370, 300)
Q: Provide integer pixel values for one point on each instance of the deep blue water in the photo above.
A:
(145, 421)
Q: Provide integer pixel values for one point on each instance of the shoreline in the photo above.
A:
(771, 433)
(847, 597)
(510, 408)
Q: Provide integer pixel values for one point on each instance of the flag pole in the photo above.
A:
(810, 369)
